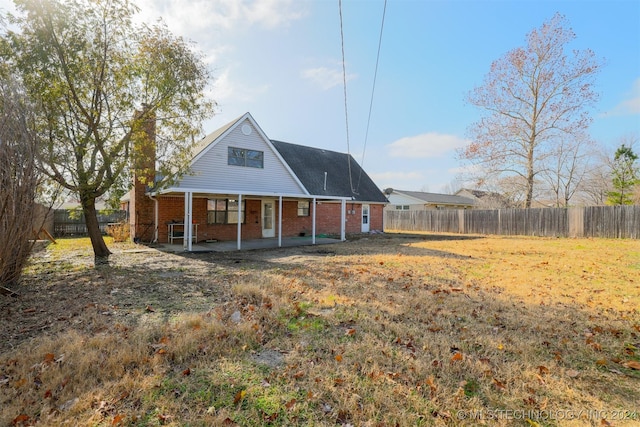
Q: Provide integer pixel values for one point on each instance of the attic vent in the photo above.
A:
(246, 130)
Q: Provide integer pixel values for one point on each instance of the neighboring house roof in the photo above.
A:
(344, 176)
(436, 198)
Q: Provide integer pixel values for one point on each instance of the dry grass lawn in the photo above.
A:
(389, 330)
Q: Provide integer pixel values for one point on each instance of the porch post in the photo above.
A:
(280, 221)
(313, 221)
(239, 244)
(188, 215)
(343, 219)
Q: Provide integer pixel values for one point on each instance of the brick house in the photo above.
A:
(243, 185)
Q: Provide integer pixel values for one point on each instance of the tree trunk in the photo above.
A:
(100, 250)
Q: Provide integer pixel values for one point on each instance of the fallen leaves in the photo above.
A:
(499, 385)
(21, 419)
(239, 396)
(632, 364)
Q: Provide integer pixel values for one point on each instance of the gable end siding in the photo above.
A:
(212, 171)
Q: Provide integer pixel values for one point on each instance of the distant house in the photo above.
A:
(401, 200)
(484, 199)
(243, 185)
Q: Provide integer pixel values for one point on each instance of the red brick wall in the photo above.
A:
(141, 207)
(171, 209)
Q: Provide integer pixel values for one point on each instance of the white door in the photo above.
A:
(268, 229)
(365, 218)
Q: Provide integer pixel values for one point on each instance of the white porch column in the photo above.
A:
(280, 221)
(240, 212)
(188, 220)
(343, 219)
(313, 221)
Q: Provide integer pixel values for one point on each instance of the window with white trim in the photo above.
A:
(243, 157)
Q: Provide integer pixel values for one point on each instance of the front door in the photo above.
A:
(268, 229)
(365, 218)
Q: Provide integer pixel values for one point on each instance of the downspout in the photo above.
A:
(155, 218)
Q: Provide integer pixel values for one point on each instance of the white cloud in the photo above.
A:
(426, 145)
(325, 77)
(273, 13)
(211, 16)
(631, 105)
(226, 90)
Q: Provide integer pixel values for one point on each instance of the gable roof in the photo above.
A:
(437, 198)
(311, 164)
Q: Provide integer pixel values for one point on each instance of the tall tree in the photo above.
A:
(533, 97)
(625, 177)
(99, 78)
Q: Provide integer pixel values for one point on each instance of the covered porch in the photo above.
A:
(253, 215)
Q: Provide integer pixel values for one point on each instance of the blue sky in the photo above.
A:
(281, 61)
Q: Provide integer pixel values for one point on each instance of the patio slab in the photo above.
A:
(247, 245)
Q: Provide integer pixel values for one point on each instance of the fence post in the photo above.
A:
(576, 221)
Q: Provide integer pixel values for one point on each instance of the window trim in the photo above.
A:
(245, 157)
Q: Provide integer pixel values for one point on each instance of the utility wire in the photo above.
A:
(344, 84)
(373, 89)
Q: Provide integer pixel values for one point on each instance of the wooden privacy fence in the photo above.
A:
(71, 223)
(590, 221)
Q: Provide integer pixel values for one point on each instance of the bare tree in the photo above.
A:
(534, 97)
(596, 183)
(567, 168)
(18, 182)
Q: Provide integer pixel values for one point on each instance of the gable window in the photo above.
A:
(244, 157)
(224, 211)
(402, 207)
(303, 208)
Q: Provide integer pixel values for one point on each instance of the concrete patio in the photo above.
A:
(247, 245)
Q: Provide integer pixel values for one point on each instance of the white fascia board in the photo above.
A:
(243, 193)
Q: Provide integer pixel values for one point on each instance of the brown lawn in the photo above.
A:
(389, 330)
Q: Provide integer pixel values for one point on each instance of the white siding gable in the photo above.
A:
(211, 171)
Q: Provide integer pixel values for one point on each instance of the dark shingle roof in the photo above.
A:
(310, 164)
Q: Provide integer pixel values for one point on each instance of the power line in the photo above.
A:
(373, 89)
(344, 84)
